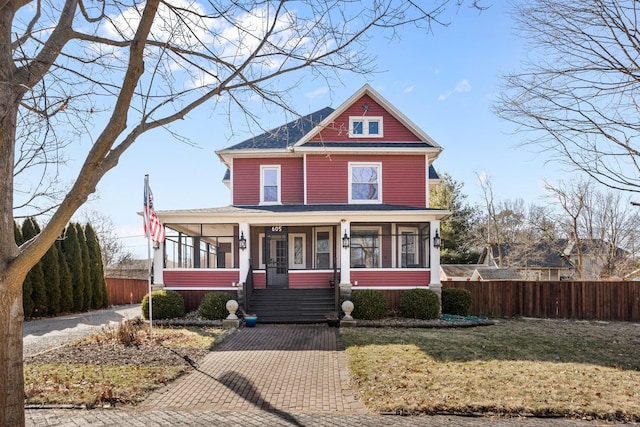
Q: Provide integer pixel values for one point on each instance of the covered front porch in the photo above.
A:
(247, 249)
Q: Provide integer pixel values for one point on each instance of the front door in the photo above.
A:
(277, 256)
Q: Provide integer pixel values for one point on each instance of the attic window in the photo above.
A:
(365, 127)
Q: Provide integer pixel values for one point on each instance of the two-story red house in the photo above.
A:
(330, 203)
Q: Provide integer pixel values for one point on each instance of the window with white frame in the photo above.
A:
(269, 184)
(365, 127)
(323, 244)
(297, 250)
(365, 247)
(408, 247)
(365, 182)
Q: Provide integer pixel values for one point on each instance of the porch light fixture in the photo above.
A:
(436, 240)
(242, 243)
(346, 240)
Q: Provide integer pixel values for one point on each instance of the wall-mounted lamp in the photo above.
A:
(242, 242)
(346, 240)
(436, 240)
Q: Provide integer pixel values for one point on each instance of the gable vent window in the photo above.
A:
(365, 127)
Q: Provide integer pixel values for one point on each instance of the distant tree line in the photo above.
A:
(69, 277)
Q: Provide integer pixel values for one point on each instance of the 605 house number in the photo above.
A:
(276, 228)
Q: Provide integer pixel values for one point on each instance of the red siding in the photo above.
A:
(246, 180)
(393, 130)
(219, 278)
(259, 279)
(388, 278)
(319, 279)
(403, 178)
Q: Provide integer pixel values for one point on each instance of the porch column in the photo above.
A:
(244, 255)
(345, 262)
(434, 261)
(158, 264)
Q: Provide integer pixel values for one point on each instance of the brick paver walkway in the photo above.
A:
(288, 368)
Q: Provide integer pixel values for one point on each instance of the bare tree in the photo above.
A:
(577, 94)
(147, 65)
(111, 246)
(601, 227)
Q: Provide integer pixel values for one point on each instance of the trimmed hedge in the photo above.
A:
(166, 305)
(456, 301)
(369, 304)
(420, 304)
(214, 305)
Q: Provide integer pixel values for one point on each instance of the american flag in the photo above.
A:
(152, 226)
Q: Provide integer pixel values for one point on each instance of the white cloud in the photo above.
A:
(409, 89)
(462, 86)
(323, 90)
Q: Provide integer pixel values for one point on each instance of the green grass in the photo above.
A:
(531, 367)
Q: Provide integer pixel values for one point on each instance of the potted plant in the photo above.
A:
(250, 320)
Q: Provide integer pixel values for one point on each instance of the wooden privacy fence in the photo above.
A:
(126, 291)
(566, 300)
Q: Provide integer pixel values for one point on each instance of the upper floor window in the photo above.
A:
(365, 127)
(270, 184)
(365, 182)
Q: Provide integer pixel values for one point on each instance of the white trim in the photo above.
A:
(201, 288)
(304, 177)
(415, 231)
(200, 269)
(277, 168)
(261, 265)
(388, 288)
(377, 165)
(291, 250)
(365, 126)
(315, 246)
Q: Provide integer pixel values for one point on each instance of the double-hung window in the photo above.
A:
(365, 182)
(365, 127)
(270, 185)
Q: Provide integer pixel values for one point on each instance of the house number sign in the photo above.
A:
(276, 229)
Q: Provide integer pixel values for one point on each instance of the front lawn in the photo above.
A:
(516, 367)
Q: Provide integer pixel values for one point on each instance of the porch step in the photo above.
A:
(292, 305)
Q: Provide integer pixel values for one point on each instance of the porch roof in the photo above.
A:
(303, 213)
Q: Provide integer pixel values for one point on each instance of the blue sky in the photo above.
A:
(445, 82)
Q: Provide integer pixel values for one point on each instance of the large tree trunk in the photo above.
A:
(11, 371)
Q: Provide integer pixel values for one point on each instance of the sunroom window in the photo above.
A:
(365, 182)
(365, 248)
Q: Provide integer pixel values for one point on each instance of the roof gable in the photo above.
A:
(366, 101)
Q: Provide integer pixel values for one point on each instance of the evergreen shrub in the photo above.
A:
(420, 304)
(166, 305)
(456, 301)
(214, 305)
(369, 304)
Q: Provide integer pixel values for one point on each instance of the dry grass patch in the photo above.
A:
(519, 367)
(119, 365)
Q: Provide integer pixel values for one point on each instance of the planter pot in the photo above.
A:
(250, 322)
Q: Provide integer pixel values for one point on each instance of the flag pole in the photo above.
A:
(147, 216)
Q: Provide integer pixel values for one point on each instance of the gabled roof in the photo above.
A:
(286, 135)
(368, 90)
(544, 254)
(498, 274)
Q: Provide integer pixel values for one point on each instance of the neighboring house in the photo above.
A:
(496, 274)
(456, 272)
(474, 272)
(535, 261)
(334, 201)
